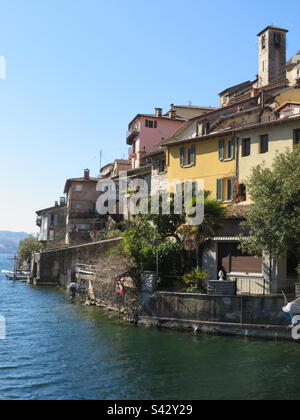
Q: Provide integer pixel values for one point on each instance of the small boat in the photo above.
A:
(291, 309)
(20, 275)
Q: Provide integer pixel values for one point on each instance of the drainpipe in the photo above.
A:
(237, 160)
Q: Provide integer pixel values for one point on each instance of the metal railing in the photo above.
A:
(250, 285)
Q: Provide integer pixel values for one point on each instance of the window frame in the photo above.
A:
(151, 124)
(244, 149)
(262, 144)
(297, 136)
(188, 156)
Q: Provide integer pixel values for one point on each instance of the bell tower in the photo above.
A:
(272, 55)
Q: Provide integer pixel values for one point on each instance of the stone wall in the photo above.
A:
(265, 310)
(56, 267)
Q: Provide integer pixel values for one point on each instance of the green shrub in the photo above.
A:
(197, 280)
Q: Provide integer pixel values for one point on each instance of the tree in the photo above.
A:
(144, 244)
(196, 238)
(27, 247)
(273, 222)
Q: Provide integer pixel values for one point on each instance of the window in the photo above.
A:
(246, 147)
(229, 189)
(220, 189)
(203, 128)
(264, 144)
(230, 149)
(78, 188)
(225, 189)
(151, 124)
(297, 136)
(162, 165)
(263, 42)
(277, 39)
(187, 156)
(242, 193)
(221, 149)
(226, 149)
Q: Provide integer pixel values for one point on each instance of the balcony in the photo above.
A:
(131, 135)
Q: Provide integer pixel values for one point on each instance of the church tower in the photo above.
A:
(272, 55)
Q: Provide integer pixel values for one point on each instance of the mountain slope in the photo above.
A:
(9, 241)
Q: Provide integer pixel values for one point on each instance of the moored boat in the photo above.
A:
(20, 275)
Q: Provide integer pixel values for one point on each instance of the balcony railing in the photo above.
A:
(131, 135)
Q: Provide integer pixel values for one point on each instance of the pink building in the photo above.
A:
(147, 130)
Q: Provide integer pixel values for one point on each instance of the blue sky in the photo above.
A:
(78, 71)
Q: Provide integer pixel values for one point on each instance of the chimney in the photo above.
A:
(158, 112)
(62, 201)
(56, 203)
(86, 174)
(172, 113)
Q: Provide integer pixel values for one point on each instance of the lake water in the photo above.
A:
(58, 350)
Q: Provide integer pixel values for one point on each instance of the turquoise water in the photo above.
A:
(58, 350)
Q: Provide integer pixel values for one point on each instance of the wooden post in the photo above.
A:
(15, 268)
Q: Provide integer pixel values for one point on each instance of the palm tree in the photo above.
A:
(196, 238)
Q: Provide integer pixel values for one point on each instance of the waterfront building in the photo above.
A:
(255, 122)
(82, 221)
(52, 224)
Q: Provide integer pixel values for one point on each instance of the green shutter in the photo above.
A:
(193, 155)
(182, 154)
(231, 149)
(220, 189)
(221, 149)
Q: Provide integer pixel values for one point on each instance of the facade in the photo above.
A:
(260, 144)
(52, 224)
(211, 158)
(256, 121)
(82, 221)
(159, 175)
(147, 131)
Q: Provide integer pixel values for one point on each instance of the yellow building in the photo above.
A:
(211, 158)
(260, 144)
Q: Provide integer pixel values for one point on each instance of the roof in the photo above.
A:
(43, 211)
(69, 181)
(236, 130)
(236, 88)
(153, 116)
(237, 211)
(285, 104)
(123, 161)
(272, 27)
(193, 107)
(142, 169)
(156, 152)
(269, 92)
(106, 166)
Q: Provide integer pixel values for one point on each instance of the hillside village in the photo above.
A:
(255, 120)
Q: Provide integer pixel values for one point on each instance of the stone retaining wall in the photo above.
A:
(56, 267)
